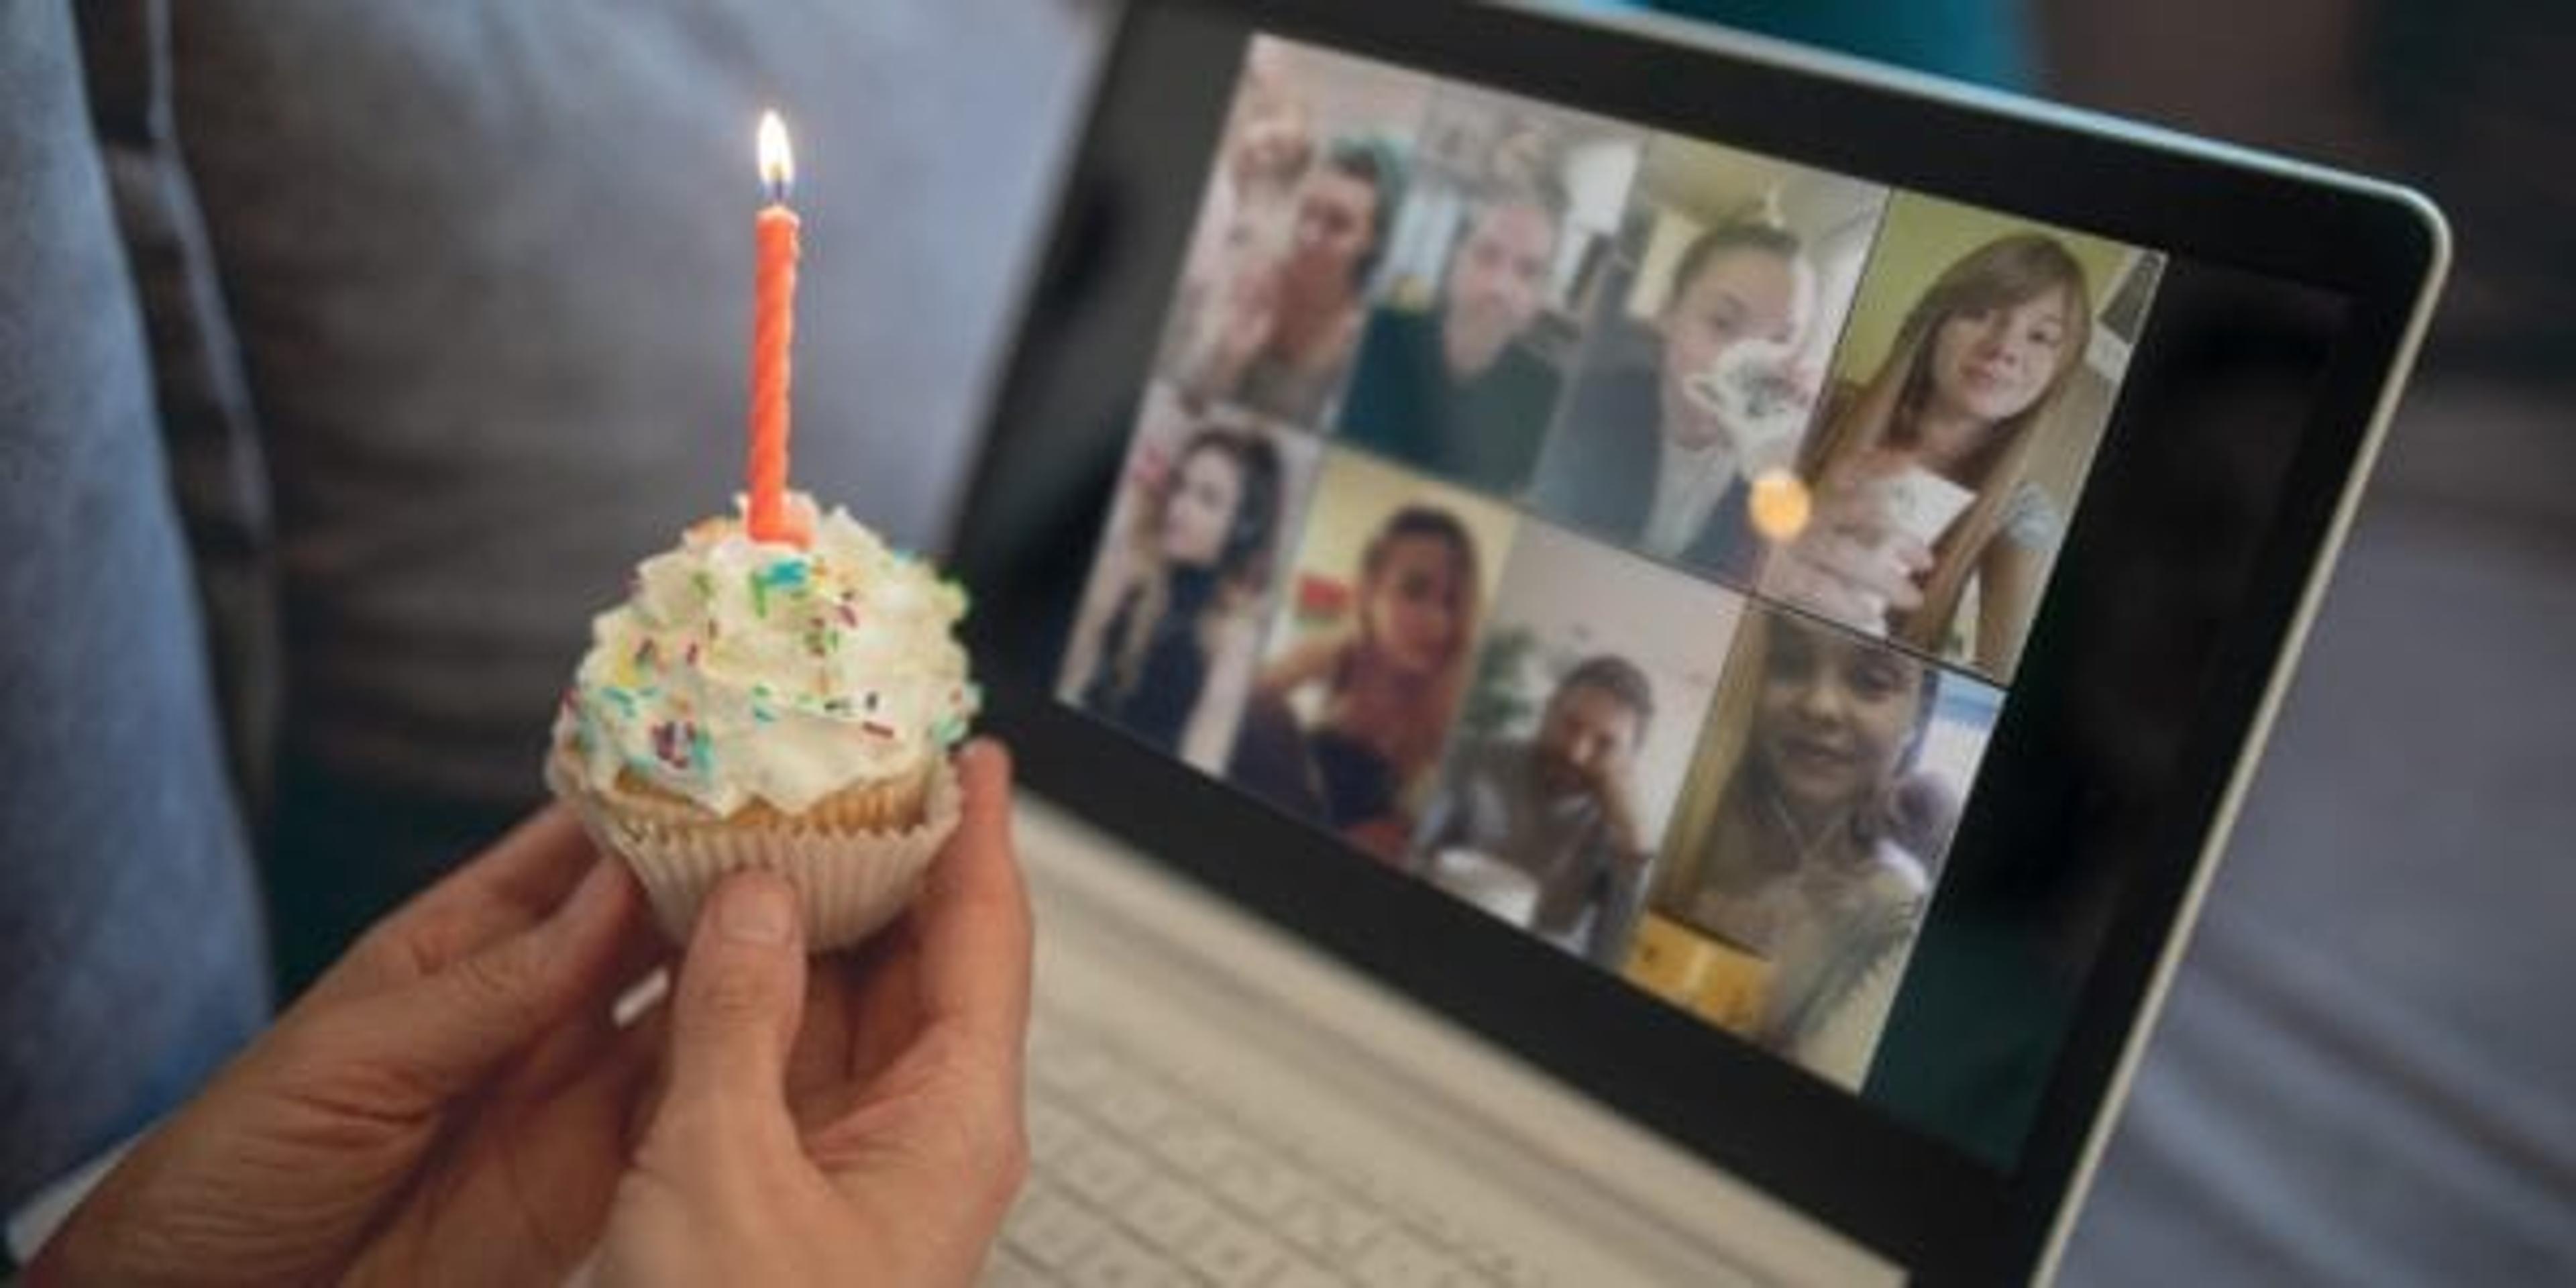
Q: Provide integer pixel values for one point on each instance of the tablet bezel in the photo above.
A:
(1922, 1200)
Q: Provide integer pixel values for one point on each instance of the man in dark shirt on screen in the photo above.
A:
(1452, 390)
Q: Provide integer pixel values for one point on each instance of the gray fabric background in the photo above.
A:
(218, 468)
(130, 958)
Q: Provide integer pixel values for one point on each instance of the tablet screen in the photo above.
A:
(1629, 535)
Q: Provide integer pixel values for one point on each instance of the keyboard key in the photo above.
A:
(1502, 1266)
(1051, 1230)
(1054, 1131)
(1331, 1228)
(1167, 1214)
(1005, 1270)
(1101, 1171)
(1194, 1143)
(1121, 1262)
(1402, 1261)
(1428, 1221)
(1232, 1253)
(1304, 1274)
(1078, 1071)
(1258, 1184)
(1131, 1108)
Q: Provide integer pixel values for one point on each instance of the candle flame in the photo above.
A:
(777, 160)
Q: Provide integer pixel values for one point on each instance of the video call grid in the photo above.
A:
(1619, 266)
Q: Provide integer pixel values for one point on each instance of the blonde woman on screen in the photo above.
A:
(1921, 482)
(1383, 690)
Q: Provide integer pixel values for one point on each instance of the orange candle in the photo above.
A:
(773, 332)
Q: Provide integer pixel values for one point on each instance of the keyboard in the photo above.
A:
(1143, 1177)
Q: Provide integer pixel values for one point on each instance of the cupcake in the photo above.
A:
(772, 705)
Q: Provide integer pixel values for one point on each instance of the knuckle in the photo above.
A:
(733, 990)
(505, 984)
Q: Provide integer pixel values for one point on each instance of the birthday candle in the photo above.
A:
(773, 333)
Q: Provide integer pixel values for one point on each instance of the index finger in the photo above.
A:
(973, 916)
(511, 886)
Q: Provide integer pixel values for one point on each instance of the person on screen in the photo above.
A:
(1167, 649)
(1269, 145)
(1277, 332)
(1643, 460)
(1382, 691)
(1960, 404)
(1814, 857)
(1453, 390)
(1559, 808)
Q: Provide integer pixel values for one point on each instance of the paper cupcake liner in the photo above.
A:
(852, 878)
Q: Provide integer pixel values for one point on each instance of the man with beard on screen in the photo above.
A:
(1558, 810)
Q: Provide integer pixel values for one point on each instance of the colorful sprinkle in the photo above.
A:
(667, 747)
(789, 576)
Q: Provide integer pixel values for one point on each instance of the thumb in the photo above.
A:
(741, 994)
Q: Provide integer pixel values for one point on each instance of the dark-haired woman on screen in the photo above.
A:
(1170, 658)
(1379, 695)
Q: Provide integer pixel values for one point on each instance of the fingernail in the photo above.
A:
(758, 909)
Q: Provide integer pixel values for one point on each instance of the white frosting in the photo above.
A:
(739, 670)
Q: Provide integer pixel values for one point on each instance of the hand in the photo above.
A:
(853, 1118)
(1249, 316)
(1612, 780)
(1849, 564)
(447, 1104)
(1384, 837)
